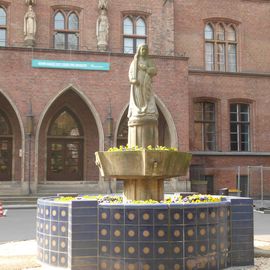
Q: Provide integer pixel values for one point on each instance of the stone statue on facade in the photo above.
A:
(30, 27)
(142, 100)
(30, 2)
(102, 31)
(103, 4)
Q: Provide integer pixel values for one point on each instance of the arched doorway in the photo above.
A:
(6, 138)
(68, 137)
(65, 143)
(163, 130)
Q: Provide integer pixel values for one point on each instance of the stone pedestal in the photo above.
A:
(144, 189)
(143, 132)
(28, 42)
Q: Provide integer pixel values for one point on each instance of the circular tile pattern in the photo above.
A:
(117, 233)
(117, 216)
(213, 214)
(41, 211)
(104, 232)
(47, 212)
(54, 213)
(117, 266)
(46, 256)
(46, 242)
(104, 249)
(131, 233)
(177, 233)
(190, 249)
(213, 230)
(146, 267)
(161, 233)
(189, 216)
(146, 250)
(46, 227)
(63, 244)
(53, 243)
(161, 250)
(177, 250)
(177, 267)
(176, 216)
(63, 260)
(131, 266)
(222, 246)
(63, 229)
(104, 265)
(131, 216)
(202, 232)
(131, 250)
(161, 266)
(53, 228)
(221, 214)
(190, 232)
(221, 229)
(202, 215)
(203, 248)
(213, 246)
(161, 216)
(63, 213)
(104, 215)
(146, 233)
(53, 259)
(117, 249)
(146, 216)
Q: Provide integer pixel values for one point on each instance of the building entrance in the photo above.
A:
(65, 148)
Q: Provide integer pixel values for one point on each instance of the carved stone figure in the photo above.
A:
(30, 26)
(142, 100)
(102, 30)
(30, 2)
(103, 4)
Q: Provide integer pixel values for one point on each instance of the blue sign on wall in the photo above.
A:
(60, 64)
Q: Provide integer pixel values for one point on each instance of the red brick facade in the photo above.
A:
(175, 35)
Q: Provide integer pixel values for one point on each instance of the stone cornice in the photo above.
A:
(86, 52)
(228, 74)
(232, 154)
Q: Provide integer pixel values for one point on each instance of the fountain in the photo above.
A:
(85, 234)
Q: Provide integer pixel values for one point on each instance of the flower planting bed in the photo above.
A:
(85, 234)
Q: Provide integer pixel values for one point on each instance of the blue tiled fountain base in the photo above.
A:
(82, 235)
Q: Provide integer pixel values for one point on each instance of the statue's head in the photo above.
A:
(142, 50)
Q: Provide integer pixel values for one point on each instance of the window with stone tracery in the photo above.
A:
(3, 26)
(220, 47)
(134, 33)
(66, 30)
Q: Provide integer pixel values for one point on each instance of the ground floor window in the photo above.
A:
(242, 183)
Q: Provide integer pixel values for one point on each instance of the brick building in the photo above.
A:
(213, 61)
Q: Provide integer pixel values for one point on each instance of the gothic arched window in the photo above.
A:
(3, 26)
(220, 47)
(66, 30)
(134, 33)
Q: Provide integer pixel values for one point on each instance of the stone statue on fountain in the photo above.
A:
(142, 100)
(142, 112)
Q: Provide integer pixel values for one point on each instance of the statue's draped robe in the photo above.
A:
(142, 100)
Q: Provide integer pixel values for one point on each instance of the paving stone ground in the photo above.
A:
(22, 256)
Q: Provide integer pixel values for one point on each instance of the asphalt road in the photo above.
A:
(20, 224)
